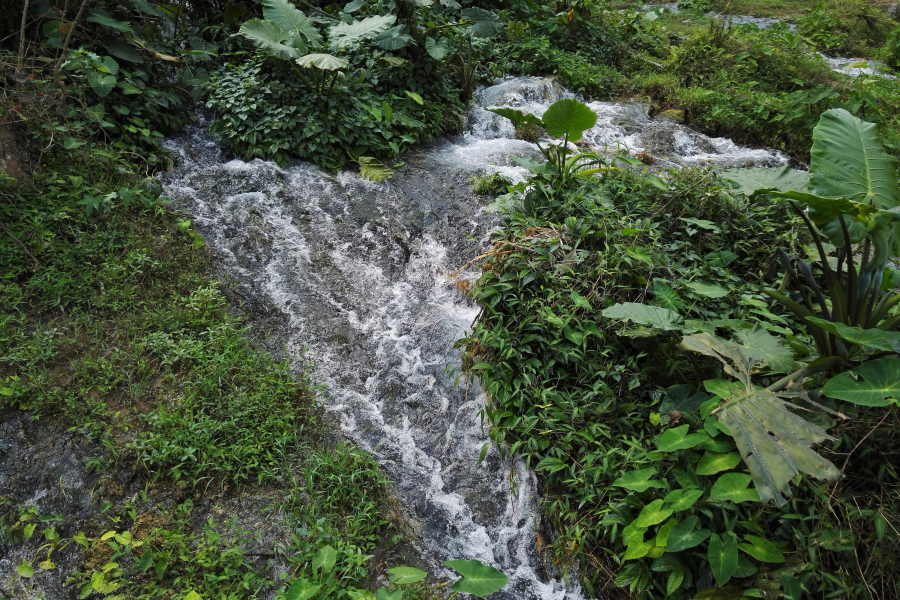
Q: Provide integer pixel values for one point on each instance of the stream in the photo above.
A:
(355, 276)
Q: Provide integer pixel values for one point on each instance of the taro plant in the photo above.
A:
(846, 297)
(565, 120)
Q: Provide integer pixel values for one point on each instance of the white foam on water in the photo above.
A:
(357, 274)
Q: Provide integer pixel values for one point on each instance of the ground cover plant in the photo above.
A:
(635, 350)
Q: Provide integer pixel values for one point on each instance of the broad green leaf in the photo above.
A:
(345, 35)
(294, 22)
(108, 21)
(437, 49)
(568, 118)
(581, 301)
(679, 500)
(402, 575)
(680, 398)
(774, 442)
(193, 595)
(733, 487)
(684, 536)
(638, 549)
(384, 594)
(873, 383)
(723, 557)
(824, 210)
(652, 514)
(477, 578)
(71, 143)
(535, 167)
(713, 462)
(888, 341)
(639, 480)
(677, 438)
(755, 180)
(324, 559)
(640, 254)
(416, 98)
(746, 568)
(701, 223)
(484, 22)
(393, 39)
(25, 569)
(709, 290)
(721, 258)
(101, 84)
(373, 169)
(762, 549)
(759, 344)
(642, 314)
(517, 116)
(676, 577)
(791, 587)
(269, 37)
(849, 161)
(662, 536)
(393, 61)
(325, 62)
(302, 590)
(360, 595)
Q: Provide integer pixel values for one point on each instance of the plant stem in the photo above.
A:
(64, 54)
(20, 65)
(819, 366)
(25, 248)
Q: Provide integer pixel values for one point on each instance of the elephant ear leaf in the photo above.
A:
(849, 161)
(269, 37)
(774, 442)
(570, 118)
(873, 383)
(294, 22)
(344, 35)
(756, 180)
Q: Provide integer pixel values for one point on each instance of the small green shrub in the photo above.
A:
(855, 28)
(264, 111)
(493, 184)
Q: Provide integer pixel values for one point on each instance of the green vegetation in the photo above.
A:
(646, 339)
(598, 346)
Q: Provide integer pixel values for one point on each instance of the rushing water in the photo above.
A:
(358, 272)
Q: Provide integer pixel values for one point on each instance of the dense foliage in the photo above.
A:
(647, 484)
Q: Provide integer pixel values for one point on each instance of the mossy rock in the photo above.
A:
(675, 115)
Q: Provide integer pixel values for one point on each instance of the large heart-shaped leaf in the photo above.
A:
(269, 37)
(294, 22)
(402, 575)
(326, 62)
(569, 118)
(684, 535)
(678, 438)
(324, 559)
(733, 487)
(708, 290)
(723, 557)
(642, 314)
(679, 500)
(477, 578)
(762, 549)
(437, 49)
(101, 84)
(345, 35)
(849, 161)
(715, 462)
(484, 22)
(302, 590)
(639, 480)
(873, 383)
(888, 341)
(666, 296)
(652, 514)
(756, 180)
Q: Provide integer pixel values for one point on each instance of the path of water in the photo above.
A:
(358, 273)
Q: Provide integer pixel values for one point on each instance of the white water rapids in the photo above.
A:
(353, 275)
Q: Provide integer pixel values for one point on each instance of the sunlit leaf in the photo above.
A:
(714, 462)
(345, 35)
(733, 487)
(294, 22)
(325, 62)
(678, 438)
(762, 549)
(402, 575)
(723, 557)
(639, 480)
(568, 118)
(642, 314)
(652, 514)
(373, 169)
(477, 578)
(685, 535)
